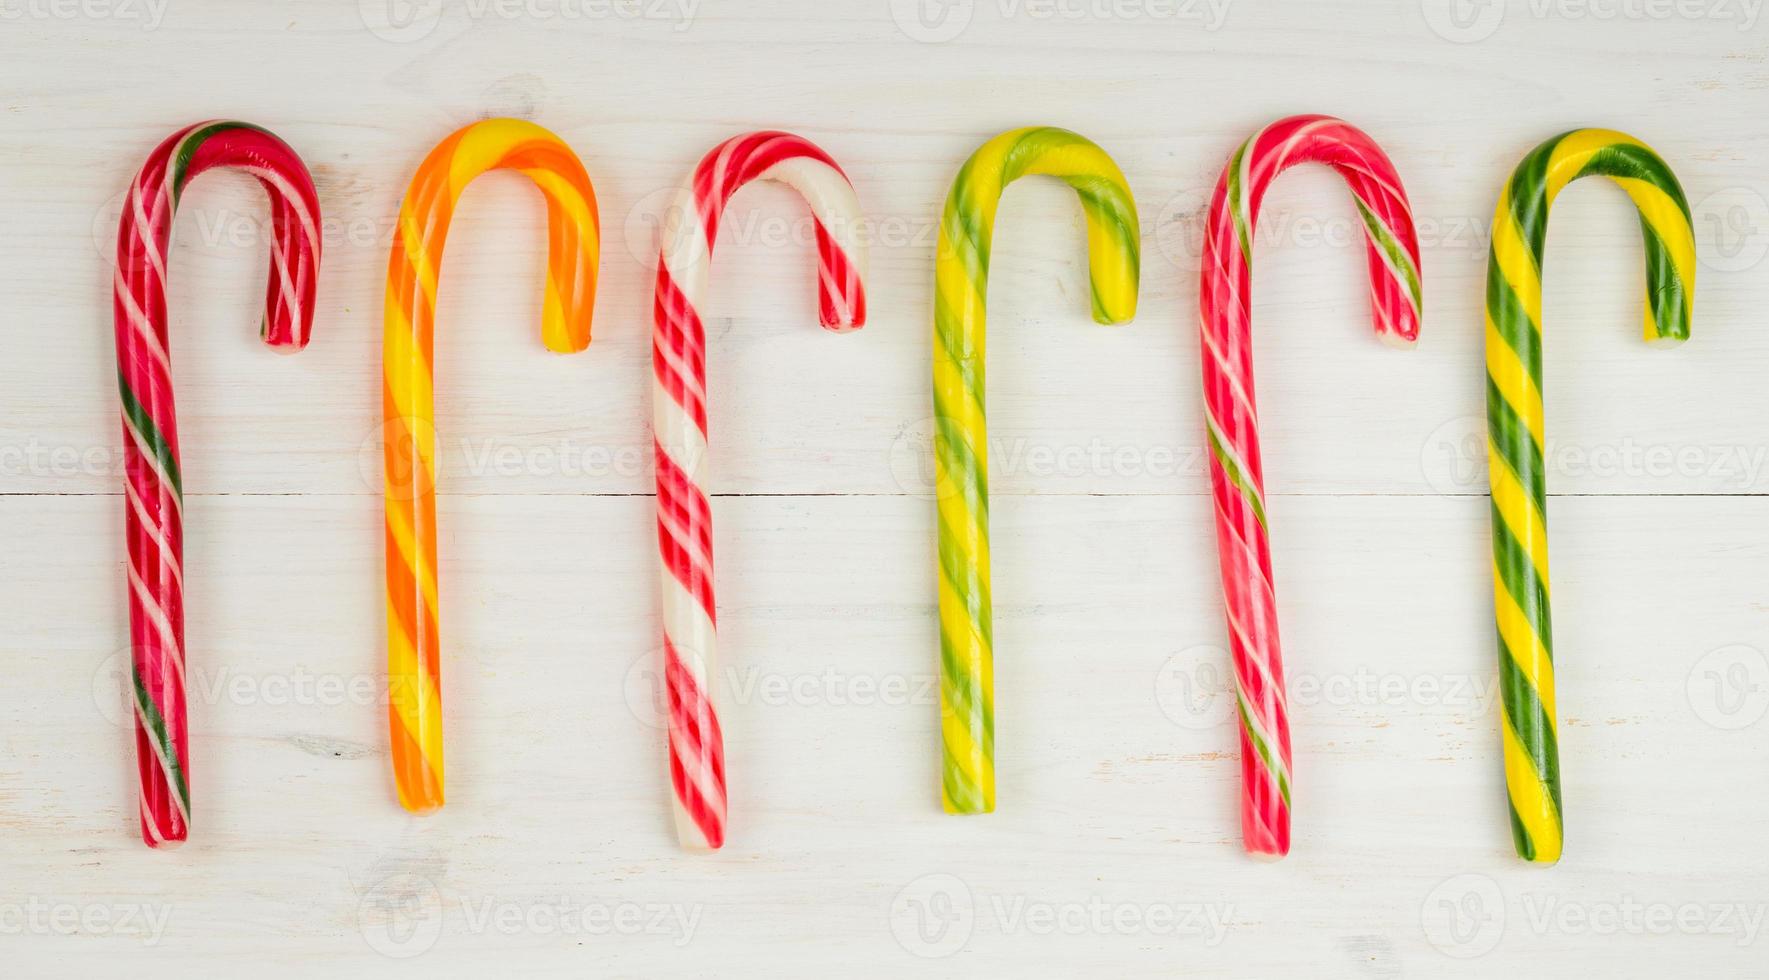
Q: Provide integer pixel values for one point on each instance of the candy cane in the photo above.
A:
(414, 664)
(152, 485)
(1236, 475)
(678, 412)
(961, 469)
(1515, 428)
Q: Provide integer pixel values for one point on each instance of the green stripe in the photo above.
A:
(192, 141)
(155, 724)
(1535, 732)
(1517, 573)
(1383, 238)
(1234, 474)
(1514, 323)
(1263, 750)
(157, 446)
(1512, 442)
(1243, 235)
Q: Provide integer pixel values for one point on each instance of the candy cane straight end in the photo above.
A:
(1237, 485)
(414, 654)
(965, 648)
(153, 497)
(696, 745)
(1517, 430)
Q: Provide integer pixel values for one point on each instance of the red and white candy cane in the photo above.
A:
(678, 400)
(153, 514)
(1236, 476)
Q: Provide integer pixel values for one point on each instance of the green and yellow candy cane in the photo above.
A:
(1515, 433)
(961, 469)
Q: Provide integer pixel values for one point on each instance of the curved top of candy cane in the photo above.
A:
(967, 226)
(145, 229)
(692, 226)
(573, 239)
(1520, 225)
(1381, 203)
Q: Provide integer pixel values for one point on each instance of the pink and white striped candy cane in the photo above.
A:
(678, 407)
(1237, 477)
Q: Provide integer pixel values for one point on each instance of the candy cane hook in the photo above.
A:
(152, 483)
(961, 470)
(414, 663)
(1515, 432)
(1237, 477)
(678, 412)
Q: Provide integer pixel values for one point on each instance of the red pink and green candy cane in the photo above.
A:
(152, 484)
(678, 399)
(1236, 474)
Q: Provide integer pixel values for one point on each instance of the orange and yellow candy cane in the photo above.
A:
(414, 666)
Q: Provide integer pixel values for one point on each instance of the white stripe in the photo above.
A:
(162, 625)
(155, 531)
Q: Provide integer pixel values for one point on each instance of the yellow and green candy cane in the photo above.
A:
(961, 470)
(1515, 434)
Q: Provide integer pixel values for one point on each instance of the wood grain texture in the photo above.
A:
(1115, 841)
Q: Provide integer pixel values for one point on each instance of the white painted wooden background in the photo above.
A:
(1116, 847)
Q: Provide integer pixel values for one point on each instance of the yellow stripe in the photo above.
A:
(1511, 376)
(1515, 260)
(1661, 212)
(413, 694)
(1574, 152)
(423, 565)
(411, 237)
(1530, 798)
(1524, 647)
(1518, 510)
